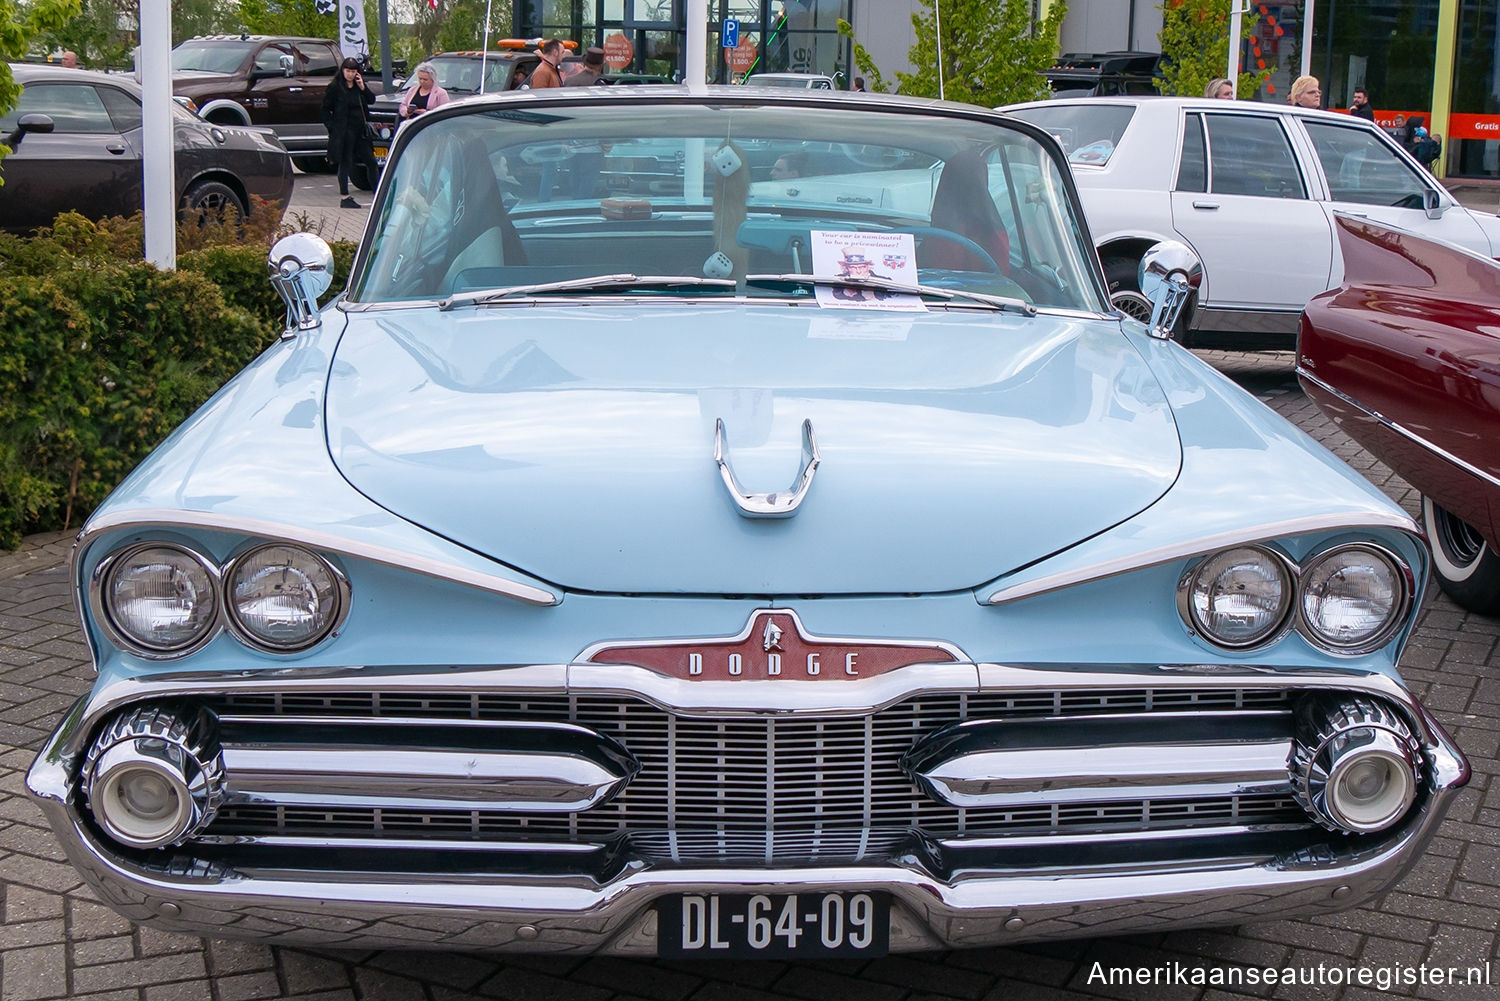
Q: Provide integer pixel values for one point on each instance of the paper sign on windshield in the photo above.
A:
(893, 256)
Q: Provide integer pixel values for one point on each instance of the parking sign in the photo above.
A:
(731, 32)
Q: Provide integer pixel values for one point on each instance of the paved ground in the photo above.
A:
(56, 941)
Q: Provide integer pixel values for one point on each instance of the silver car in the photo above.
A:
(1253, 189)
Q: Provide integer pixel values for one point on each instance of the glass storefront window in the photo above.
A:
(1476, 92)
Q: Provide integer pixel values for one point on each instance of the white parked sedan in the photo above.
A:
(1252, 188)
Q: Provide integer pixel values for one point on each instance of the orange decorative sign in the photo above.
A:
(618, 51)
(742, 56)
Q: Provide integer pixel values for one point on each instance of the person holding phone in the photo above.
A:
(344, 116)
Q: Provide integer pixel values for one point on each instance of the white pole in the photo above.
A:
(156, 133)
(1235, 13)
(484, 53)
(937, 12)
(1307, 23)
(695, 61)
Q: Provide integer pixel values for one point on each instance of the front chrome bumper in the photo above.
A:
(943, 895)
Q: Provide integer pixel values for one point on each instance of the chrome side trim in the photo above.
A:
(1190, 548)
(325, 541)
(1249, 321)
(776, 504)
(1402, 430)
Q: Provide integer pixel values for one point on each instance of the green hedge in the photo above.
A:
(101, 355)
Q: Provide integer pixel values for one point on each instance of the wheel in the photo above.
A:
(211, 198)
(313, 164)
(1467, 567)
(1123, 276)
(359, 176)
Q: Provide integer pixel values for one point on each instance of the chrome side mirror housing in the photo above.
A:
(1170, 275)
(1432, 204)
(301, 270)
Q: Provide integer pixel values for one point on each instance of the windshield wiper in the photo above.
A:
(481, 296)
(887, 285)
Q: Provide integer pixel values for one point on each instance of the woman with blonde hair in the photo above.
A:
(1305, 93)
(426, 95)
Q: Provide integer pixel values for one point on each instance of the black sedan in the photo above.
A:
(76, 145)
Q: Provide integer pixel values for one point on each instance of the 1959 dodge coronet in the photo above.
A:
(734, 523)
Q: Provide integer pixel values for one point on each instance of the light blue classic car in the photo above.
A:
(780, 551)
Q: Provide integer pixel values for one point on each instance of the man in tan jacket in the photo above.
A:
(545, 74)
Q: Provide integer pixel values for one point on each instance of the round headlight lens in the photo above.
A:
(1351, 597)
(283, 597)
(1239, 597)
(160, 597)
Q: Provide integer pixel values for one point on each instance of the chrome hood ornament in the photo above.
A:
(781, 504)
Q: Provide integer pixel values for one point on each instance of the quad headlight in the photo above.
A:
(163, 600)
(159, 600)
(1349, 599)
(283, 597)
(1352, 597)
(1239, 597)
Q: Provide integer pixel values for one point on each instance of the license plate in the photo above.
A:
(774, 925)
(381, 152)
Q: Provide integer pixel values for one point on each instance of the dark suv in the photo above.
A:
(271, 80)
(1098, 74)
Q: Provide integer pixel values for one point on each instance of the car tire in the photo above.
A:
(209, 197)
(359, 176)
(1466, 565)
(313, 164)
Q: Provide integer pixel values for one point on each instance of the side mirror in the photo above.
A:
(34, 122)
(301, 270)
(287, 64)
(1170, 275)
(1432, 203)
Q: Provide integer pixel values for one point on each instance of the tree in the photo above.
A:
(993, 51)
(1195, 43)
(20, 23)
(288, 17)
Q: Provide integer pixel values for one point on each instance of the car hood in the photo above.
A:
(577, 444)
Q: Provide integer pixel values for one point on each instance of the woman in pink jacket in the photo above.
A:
(425, 96)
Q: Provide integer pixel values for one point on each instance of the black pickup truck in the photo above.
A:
(272, 80)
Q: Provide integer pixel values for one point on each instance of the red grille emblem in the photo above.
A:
(773, 646)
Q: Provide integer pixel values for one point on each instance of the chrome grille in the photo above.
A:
(827, 787)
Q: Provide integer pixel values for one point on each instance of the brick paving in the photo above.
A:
(56, 941)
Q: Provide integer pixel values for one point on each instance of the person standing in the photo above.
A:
(1360, 106)
(859, 85)
(1219, 89)
(546, 74)
(425, 96)
(1305, 93)
(592, 72)
(344, 106)
(70, 60)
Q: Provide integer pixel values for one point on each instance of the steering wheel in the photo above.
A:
(984, 257)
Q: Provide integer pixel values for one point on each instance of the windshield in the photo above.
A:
(210, 57)
(517, 196)
(460, 74)
(1088, 133)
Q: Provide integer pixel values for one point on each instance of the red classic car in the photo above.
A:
(1405, 356)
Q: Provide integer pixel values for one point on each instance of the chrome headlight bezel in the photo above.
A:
(105, 616)
(247, 636)
(1296, 619)
(1405, 581)
(1189, 613)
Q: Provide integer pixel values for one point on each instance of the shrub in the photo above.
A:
(101, 354)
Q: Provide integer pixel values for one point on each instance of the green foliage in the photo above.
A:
(20, 23)
(993, 52)
(101, 355)
(1195, 41)
(874, 80)
(291, 17)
